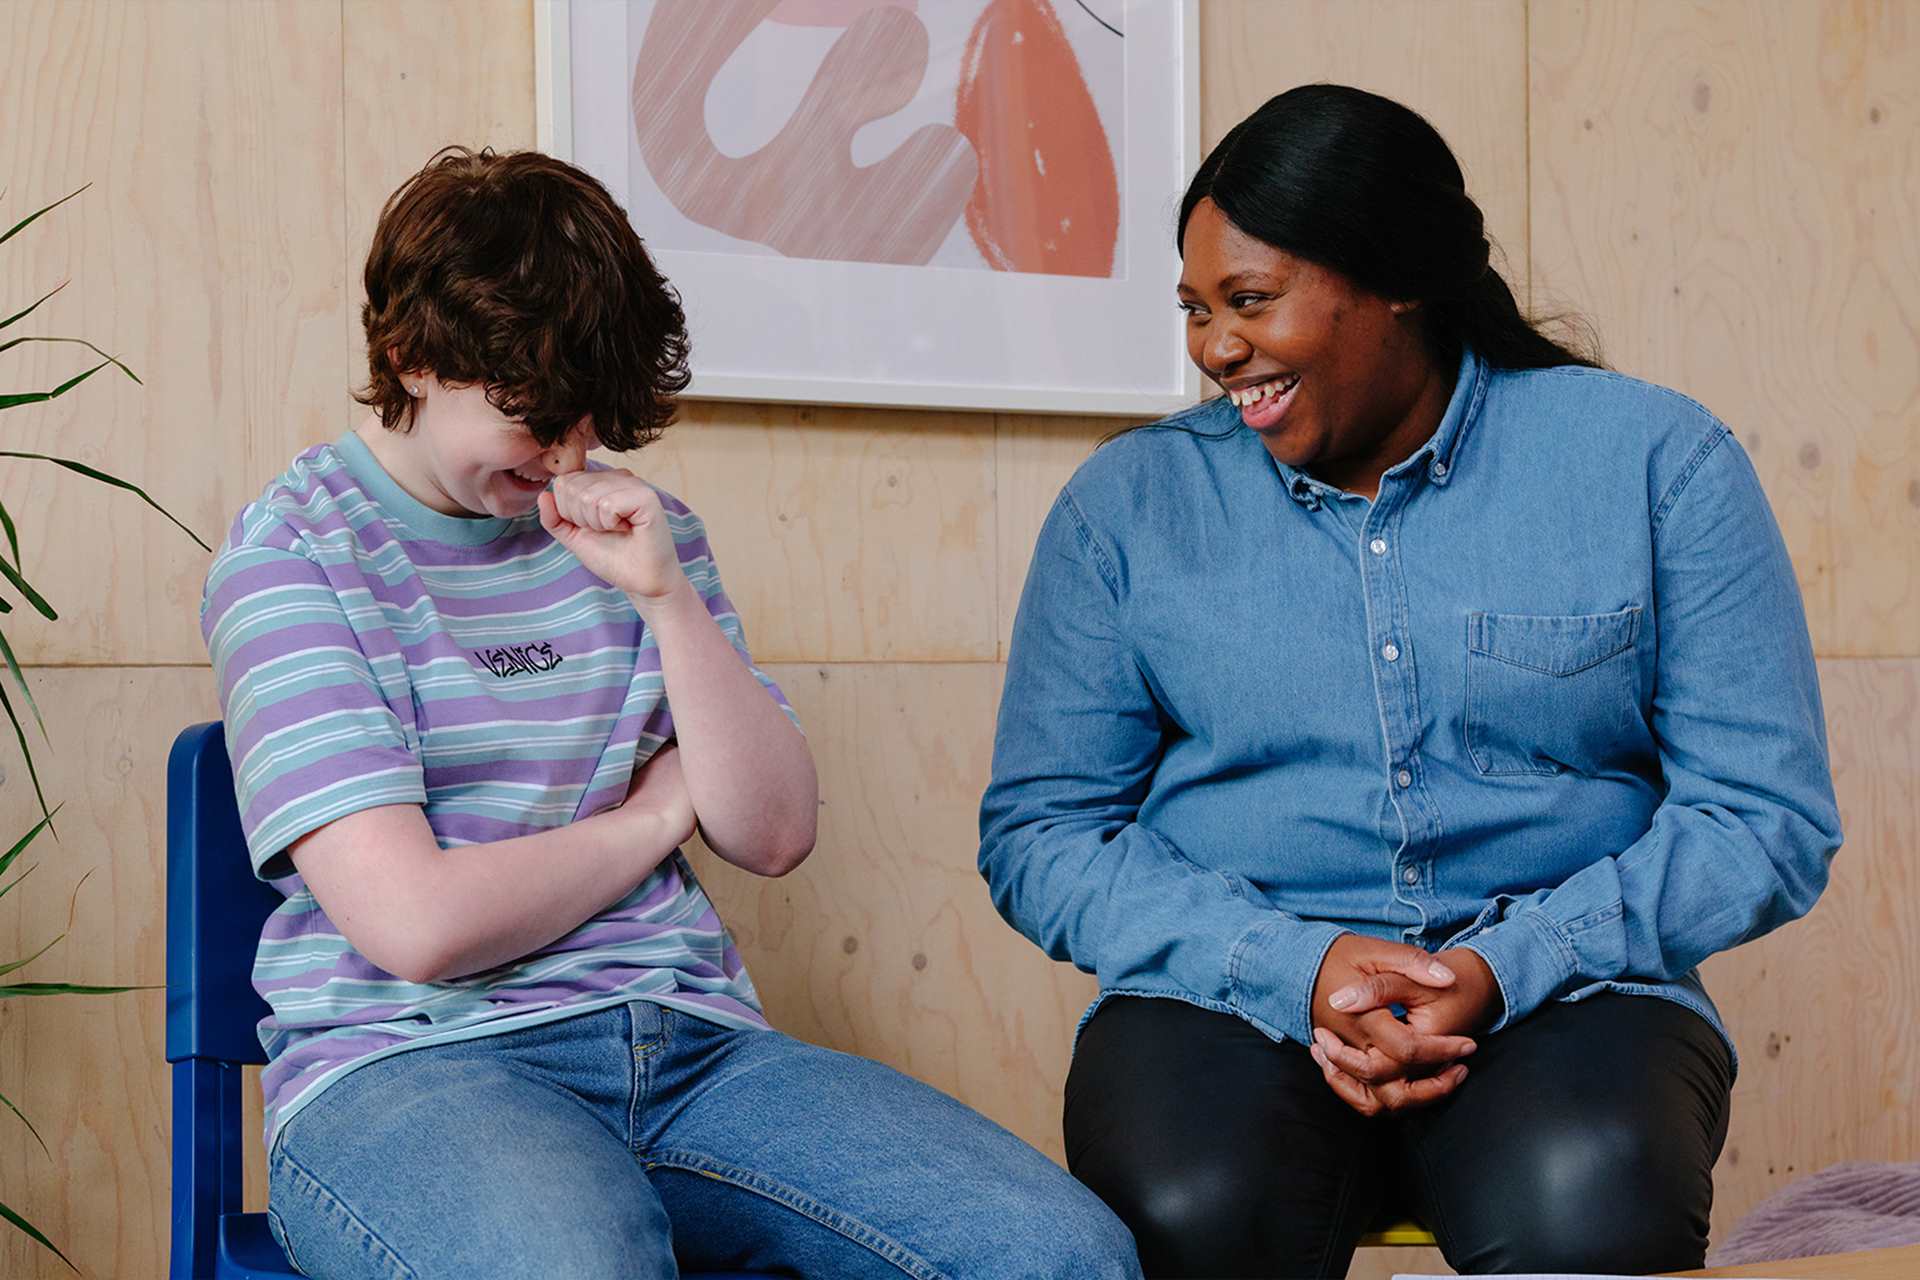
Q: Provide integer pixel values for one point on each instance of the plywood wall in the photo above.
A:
(1727, 189)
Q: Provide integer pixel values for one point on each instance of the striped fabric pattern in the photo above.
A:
(371, 651)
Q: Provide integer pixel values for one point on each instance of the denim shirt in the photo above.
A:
(1549, 696)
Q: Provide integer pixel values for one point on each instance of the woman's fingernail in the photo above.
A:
(1440, 971)
(1344, 998)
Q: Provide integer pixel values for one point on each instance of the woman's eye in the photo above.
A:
(1193, 309)
(1241, 301)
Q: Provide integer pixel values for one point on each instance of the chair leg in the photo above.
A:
(206, 1162)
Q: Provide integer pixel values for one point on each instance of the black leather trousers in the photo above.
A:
(1583, 1139)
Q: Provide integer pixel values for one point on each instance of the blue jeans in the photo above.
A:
(635, 1140)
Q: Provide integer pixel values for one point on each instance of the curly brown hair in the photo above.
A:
(520, 274)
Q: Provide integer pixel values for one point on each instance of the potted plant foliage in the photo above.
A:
(15, 589)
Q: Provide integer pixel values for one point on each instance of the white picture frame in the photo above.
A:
(769, 325)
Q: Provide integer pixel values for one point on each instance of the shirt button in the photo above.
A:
(1378, 546)
(1404, 778)
(1439, 470)
(1390, 651)
(1410, 875)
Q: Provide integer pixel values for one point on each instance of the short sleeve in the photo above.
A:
(309, 728)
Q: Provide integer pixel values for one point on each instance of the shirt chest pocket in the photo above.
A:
(1551, 692)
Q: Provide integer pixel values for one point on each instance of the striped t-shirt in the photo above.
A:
(372, 651)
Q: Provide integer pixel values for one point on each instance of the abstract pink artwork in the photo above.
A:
(976, 134)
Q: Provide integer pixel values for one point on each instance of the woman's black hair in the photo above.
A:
(1358, 183)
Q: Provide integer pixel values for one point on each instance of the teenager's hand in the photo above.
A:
(1401, 1064)
(658, 793)
(613, 522)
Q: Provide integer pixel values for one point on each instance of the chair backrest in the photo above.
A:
(215, 908)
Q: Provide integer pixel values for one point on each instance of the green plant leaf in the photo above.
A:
(6, 859)
(11, 965)
(73, 912)
(5, 889)
(67, 989)
(13, 539)
(8, 1103)
(19, 678)
(34, 1231)
(41, 397)
(27, 751)
(19, 226)
(115, 481)
(108, 356)
(22, 315)
(25, 588)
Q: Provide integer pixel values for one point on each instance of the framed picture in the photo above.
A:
(962, 204)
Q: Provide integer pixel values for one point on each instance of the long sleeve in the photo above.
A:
(1069, 863)
(1742, 840)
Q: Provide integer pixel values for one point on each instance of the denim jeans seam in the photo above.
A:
(799, 1202)
(278, 1230)
(640, 1079)
(325, 1196)
(647, 1048)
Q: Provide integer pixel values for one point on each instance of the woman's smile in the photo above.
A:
(1263, 405)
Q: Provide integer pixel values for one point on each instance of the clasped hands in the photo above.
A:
(1377, 1062)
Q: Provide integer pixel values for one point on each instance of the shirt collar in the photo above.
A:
(1439, 455)
(415, 516)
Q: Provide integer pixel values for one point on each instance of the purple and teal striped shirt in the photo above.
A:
(371, 651)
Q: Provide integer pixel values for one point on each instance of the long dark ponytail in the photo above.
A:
(1361, 184)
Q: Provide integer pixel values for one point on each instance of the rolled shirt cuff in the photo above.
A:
(1271, 973)
(1531, 960)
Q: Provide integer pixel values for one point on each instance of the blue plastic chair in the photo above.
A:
(215, 910)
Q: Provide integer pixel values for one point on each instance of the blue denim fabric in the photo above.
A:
(1550, 695)
(608, 1143)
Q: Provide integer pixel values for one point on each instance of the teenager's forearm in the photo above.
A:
(427, 914)
(516, 896)
(748, 770)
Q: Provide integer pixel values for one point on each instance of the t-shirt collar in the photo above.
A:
(416, 516)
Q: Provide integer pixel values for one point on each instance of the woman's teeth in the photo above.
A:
(1254, 395)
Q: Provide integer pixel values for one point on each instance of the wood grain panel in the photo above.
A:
(90, 1071)
(843, 535)
(1827, 1011)
(1460, 63)
(1730, 192)
(886, 943)
(207, 255)
(421, 75)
